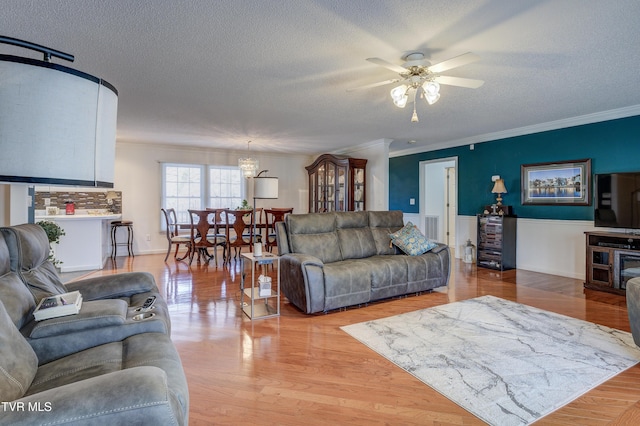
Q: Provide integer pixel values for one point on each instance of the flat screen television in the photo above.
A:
(617, 203)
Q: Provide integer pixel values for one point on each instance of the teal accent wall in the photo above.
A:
(612, 146)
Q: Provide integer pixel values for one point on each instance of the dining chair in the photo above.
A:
(218, 223)
(201, 237)
(173, 235)
(273, 215)
(238, 231)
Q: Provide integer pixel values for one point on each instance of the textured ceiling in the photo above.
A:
(219, 73)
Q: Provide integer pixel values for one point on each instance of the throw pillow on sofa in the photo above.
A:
(410, 240)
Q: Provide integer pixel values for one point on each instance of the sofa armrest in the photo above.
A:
(302, 281)
(439, 248)
(124, 284)
(304, 259)
(138, 395)
(92, 315)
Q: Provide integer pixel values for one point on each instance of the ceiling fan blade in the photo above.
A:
(469, 83)
(458, 61)
(380, 83)
(387, 65)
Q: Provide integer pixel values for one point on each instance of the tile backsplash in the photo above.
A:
(82, 200)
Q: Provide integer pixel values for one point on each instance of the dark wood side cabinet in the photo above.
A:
(497, 241)
(337, 183)
(613, 258)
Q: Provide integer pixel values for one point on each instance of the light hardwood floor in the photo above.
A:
(300, 369)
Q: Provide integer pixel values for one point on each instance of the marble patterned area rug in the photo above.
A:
(507, 363)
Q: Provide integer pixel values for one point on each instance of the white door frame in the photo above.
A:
(423, 190)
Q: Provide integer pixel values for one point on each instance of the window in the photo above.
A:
(183, 188)
(225, 187)
(193, 186)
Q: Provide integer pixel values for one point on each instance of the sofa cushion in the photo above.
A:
(29, 250)
(426, 271)
(18, 362)
(346, 283)
(96, 367)
(389, 276)
(354, 235)
(383, 223)
(314, 234)
(411, 241)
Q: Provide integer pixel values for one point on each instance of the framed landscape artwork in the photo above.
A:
(559, 183)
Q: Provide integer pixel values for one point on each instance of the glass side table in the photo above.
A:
(260, 298)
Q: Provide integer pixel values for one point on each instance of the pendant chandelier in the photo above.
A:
(248, 165)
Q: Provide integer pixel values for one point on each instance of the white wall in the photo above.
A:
(377, 155)
(138, 175)
(555, 247)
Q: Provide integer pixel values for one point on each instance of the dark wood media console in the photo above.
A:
(613, 258)
(497, 242)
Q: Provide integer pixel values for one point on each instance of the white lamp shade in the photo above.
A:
(265, 187)
(401, 102)
(57, 124)
(398, 92)
(431, 87)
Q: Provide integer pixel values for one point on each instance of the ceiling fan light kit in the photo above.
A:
(399, 95)
(419, 75)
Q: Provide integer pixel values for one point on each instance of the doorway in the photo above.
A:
(438, 201)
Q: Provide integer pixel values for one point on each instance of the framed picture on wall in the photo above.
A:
(557, 183)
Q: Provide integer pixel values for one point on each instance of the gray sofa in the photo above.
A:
(340, 259)
(100, 366)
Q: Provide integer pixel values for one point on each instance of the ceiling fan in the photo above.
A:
(419, 77)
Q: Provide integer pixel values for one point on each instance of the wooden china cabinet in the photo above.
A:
(337, 183)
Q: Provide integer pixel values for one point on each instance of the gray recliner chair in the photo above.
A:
(97, 367)
(633, 308)
(111, 304)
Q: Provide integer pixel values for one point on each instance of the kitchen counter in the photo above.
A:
(86, 244)
(82, 216)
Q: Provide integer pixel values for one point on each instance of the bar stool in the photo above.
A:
(128, 224)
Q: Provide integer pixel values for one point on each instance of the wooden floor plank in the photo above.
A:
(302, 369)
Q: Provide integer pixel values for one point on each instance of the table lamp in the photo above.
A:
(498, 188)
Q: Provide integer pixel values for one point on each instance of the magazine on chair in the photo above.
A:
(58, 306)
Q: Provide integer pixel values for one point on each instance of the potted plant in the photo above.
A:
(54, 232)
(244, 206)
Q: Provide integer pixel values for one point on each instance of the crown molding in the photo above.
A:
(527, 130)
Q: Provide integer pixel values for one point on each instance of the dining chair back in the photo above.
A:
(217, 222)
(202, 221)
(173, 234)
(272, 216)
(239, 230)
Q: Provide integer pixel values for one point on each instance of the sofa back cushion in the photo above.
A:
(29, 251)
(383, 223)
(15, 295)
(18, 361)
(354, 235)
(314, 234)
